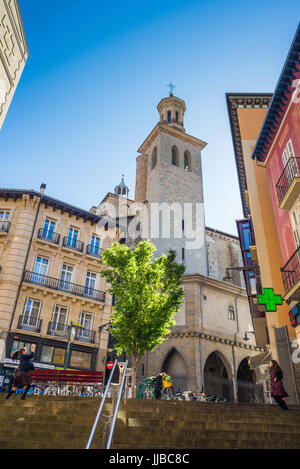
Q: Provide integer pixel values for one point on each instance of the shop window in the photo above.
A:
(81, 359)
(53, 355)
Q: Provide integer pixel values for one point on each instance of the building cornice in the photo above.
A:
(237, 101)
(281, 100)
(160, 127)
(214, 283)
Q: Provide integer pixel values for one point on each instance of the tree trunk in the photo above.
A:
(133, 378)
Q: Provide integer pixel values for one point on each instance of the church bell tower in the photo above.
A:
(169, 180)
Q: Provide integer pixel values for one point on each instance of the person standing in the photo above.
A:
(22, 378)
(277, 390)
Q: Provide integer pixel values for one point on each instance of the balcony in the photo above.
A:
(58, 330)
(288, 185)
(49, 236)
(291, 277)
(4, 227)
(73, 244)
(62, 285)
(85, 335)
(30, 324)
(94, 251)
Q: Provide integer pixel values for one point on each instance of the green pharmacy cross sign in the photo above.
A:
(269, 299)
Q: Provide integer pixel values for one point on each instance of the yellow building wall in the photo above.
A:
(268, 248)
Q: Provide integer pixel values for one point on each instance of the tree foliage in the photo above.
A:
(148, 294)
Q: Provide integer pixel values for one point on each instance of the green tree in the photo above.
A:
(148, 294)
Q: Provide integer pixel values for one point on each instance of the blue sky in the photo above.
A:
(97, 70)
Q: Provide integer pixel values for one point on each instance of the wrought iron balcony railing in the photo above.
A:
(28, 323)
(94, 251)
(291, 271)
(85, 335)
(291, 171)
(58, 329)
(62, 285)
(4, 226)
(72, 243)
(50, 236)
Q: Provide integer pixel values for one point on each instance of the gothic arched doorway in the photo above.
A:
(216, 380)
(174, 365)
(246, 382)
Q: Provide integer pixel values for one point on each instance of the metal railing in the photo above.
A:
(58, 329)
(94, 251)
(62, 285)
(30, 324)
(291, 170)
(85, 335)
(101, 407)
(110, 421)
(291, 271)
(73, 243)
(4, 226)
(50, 236)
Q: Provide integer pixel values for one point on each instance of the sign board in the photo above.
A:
(109, 365)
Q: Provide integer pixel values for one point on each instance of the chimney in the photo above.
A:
(42, 189)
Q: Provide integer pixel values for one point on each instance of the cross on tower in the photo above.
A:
(172, 87)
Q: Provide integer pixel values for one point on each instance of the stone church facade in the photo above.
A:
(206, 349)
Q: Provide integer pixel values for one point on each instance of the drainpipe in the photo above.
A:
(42, 190)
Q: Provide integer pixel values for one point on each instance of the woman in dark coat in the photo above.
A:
(22, 377)
(277, 390)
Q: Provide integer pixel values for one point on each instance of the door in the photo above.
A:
(59, 320)
(72, 237)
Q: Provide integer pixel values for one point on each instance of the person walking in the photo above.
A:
(277, 390)
(22, 378)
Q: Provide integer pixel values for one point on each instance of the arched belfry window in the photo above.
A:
(177, 116)
(154, 158)
(187, 161)
(169, 116)
(175, 156)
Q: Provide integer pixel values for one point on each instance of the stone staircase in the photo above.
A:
(55, 422)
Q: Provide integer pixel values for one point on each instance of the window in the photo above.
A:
(40, 269)
(187, 161)
(66, 277)
(86, 320)
(81, 359)
(169, 116)
(31, 314)
(4, 215)
(231, 314)
(59, 317)
(177, 116)
(183, 254)
(174, 156)
(53, 355)
(154, 158)
(17, 345)
(73, 236)
(48, 229)
(90, 283)
(95, 245)
(289, 162)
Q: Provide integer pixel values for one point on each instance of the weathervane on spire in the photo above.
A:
(172, 88)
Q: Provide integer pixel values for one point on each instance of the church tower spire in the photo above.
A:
(121, 189)
(171, 112)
